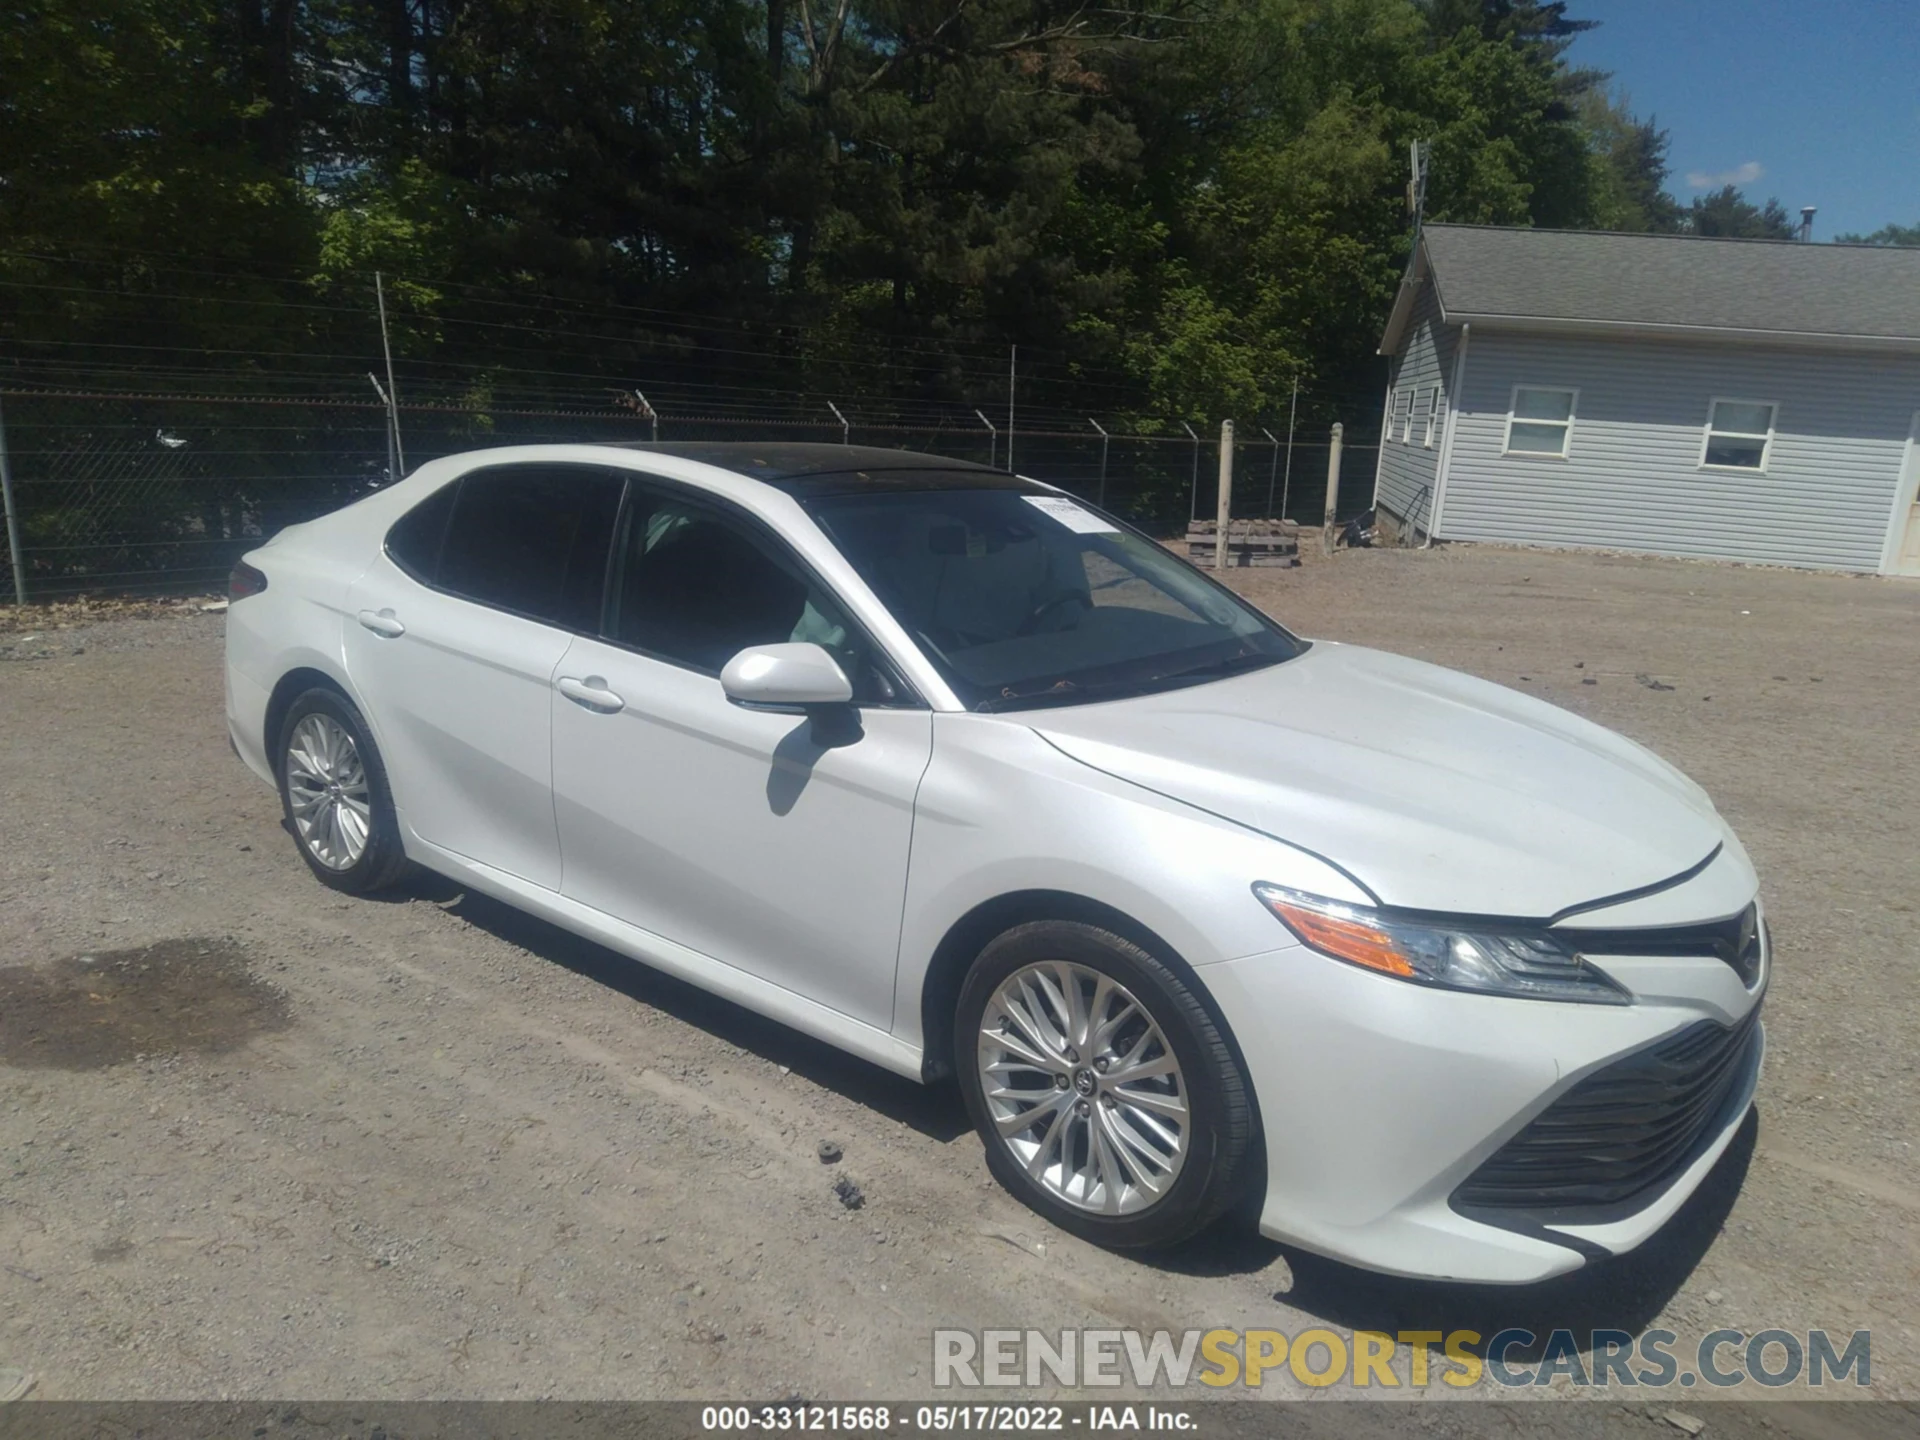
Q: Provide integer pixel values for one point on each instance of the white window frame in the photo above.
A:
(1566, 438)
(1432, 421)
(1400, 416)
(1707, 432)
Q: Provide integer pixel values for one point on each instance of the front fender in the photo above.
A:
(1001, 812)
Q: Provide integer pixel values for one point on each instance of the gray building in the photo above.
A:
(1739, 399)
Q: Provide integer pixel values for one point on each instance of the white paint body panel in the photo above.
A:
(728, 981)
(731, 832)
(464, 715)
(1436, 790)
(1393, 1095)
(817, 885)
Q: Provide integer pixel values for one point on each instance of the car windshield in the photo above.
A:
(1027, 598)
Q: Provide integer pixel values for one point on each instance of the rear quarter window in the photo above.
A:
(531, 539)
(414, 542)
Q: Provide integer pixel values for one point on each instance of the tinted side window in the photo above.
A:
(414, 541)
(533, 539)
(698, 587)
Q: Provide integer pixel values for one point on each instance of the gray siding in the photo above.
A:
(1632, 479)
(1405, 477)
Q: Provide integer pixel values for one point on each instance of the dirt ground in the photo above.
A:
(258, 1140)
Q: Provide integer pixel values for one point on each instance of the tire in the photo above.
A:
(334, 795)
(1152, 1179)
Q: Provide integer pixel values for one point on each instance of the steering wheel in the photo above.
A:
(1046, 607)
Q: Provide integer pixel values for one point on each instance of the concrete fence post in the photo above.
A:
(1333, 487)
(1226, 495)
(13, 520)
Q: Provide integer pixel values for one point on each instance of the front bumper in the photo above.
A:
(1379, 1098)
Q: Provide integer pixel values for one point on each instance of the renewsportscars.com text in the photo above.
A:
(1373, 1359)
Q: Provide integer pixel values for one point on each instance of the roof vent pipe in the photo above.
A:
(1806, 221)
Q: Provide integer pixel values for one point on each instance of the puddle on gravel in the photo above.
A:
(92, 1011)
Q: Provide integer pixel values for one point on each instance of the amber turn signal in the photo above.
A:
(1351, 940)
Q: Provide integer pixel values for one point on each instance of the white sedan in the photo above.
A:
(944, 767)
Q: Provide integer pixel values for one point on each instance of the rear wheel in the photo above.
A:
(333, 790)
(1106, 1096)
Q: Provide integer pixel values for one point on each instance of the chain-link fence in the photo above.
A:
(144, 493)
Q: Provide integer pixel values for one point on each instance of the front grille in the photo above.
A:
(1739, 942)
(1609, 1143)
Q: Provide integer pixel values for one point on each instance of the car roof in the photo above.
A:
(811, 470)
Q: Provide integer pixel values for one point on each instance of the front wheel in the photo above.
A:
(333, 789)
(1102, 1087)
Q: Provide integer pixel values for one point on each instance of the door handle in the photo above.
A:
(592, 693)
(382, 622)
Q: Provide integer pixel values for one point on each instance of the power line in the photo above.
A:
(779, 331)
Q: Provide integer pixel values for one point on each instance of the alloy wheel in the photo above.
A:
(1083, 1088)
(327, 792)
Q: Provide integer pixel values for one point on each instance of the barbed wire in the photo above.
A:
(831, 347)
(144, 460)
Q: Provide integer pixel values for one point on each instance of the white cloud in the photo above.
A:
(1713, 179)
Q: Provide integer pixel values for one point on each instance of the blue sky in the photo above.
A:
(1813, 102)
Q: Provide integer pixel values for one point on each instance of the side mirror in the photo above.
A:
(792, 676)
(796, 677)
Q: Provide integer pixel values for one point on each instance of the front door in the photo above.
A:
(1907, 557)
(453, 637)
(734, 832)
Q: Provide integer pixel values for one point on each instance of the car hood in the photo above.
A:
(1435, 790)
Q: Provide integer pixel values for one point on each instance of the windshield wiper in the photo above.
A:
(1060, 692)
(1244, 660)
(1073, 692)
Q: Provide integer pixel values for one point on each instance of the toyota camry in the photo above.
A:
(949, 769)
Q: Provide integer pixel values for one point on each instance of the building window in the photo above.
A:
(1432, 416)
(1739, 434)
(1540, 422)
(1402, 408)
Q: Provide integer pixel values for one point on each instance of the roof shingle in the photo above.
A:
(1604, 278)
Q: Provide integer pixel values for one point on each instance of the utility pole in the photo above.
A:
(1013, 363)
(993, 435)
(1193, 510)
(13, 520)
(1225, 510)
(1333, 487)
(393, 391)
(846, 430)
(1102, 501)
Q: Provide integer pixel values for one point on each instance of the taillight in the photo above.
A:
(245, 581)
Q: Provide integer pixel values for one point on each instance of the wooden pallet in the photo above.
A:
(1249, 542)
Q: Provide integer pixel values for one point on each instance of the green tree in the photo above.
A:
(140, 129)
(1629, 159)
(1729, 214)
(1177, 210)
(1885, 235)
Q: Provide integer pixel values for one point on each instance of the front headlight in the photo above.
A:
(1467, 955)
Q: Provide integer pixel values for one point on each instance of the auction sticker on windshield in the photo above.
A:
(1070, 514)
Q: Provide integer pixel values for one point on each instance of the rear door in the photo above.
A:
(454, 636)
(735, 832)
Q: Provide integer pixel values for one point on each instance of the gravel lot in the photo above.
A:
(260, 1140)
